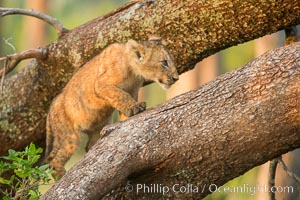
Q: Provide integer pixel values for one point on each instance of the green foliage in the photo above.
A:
(26, 177)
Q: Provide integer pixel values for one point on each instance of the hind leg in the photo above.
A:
(94, 134)
(63, 149)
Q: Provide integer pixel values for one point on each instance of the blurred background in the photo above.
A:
(27, 32)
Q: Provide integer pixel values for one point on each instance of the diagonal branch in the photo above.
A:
(46, 18)
(291, 34)
(288, 171)
(203, 138)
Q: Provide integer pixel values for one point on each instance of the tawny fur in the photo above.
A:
(109, 81)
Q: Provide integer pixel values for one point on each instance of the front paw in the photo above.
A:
(137, 108)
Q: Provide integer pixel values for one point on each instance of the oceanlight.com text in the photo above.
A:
(192, 188)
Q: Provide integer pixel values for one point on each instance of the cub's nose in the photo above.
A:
(175, 77)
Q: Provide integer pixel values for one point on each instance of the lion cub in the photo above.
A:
(109, 81)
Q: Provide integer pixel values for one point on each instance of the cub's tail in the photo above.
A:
(49, 139)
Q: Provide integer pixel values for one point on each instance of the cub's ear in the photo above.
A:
(137, 48)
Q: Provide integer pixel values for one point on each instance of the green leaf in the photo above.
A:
(39, 150)
(7, 198)
(33, 195)
(25, 173)
(32, 150)
(4, 167)
(33, 159)
(4, 181)
(12, 154)
(44, 167)
(12, 178)
(22, 173)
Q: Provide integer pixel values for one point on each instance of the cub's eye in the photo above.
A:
(164, 63)
(138, 54)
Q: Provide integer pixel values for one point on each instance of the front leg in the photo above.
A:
(119, 99)
(134, 94)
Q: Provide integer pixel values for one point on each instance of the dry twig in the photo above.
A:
(288, 171)
(272, 173)
(46, 18)
(40, 53)
(2, 79)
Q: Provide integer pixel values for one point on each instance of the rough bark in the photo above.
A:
(207, 136)
(193, 30)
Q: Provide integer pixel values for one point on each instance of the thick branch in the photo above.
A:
(207, 136)
(46, 18)
(192, 29)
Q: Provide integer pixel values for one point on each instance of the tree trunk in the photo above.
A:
(199, 140)
(193, 30)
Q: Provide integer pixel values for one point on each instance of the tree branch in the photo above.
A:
(34, 53)
(192, 29)
(3, 77)
(202, 138)
(46, 18)
(291, 36)
(272, 175)
(289, 172)
(40, 53)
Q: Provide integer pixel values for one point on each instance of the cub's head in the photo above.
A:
(151, 60)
